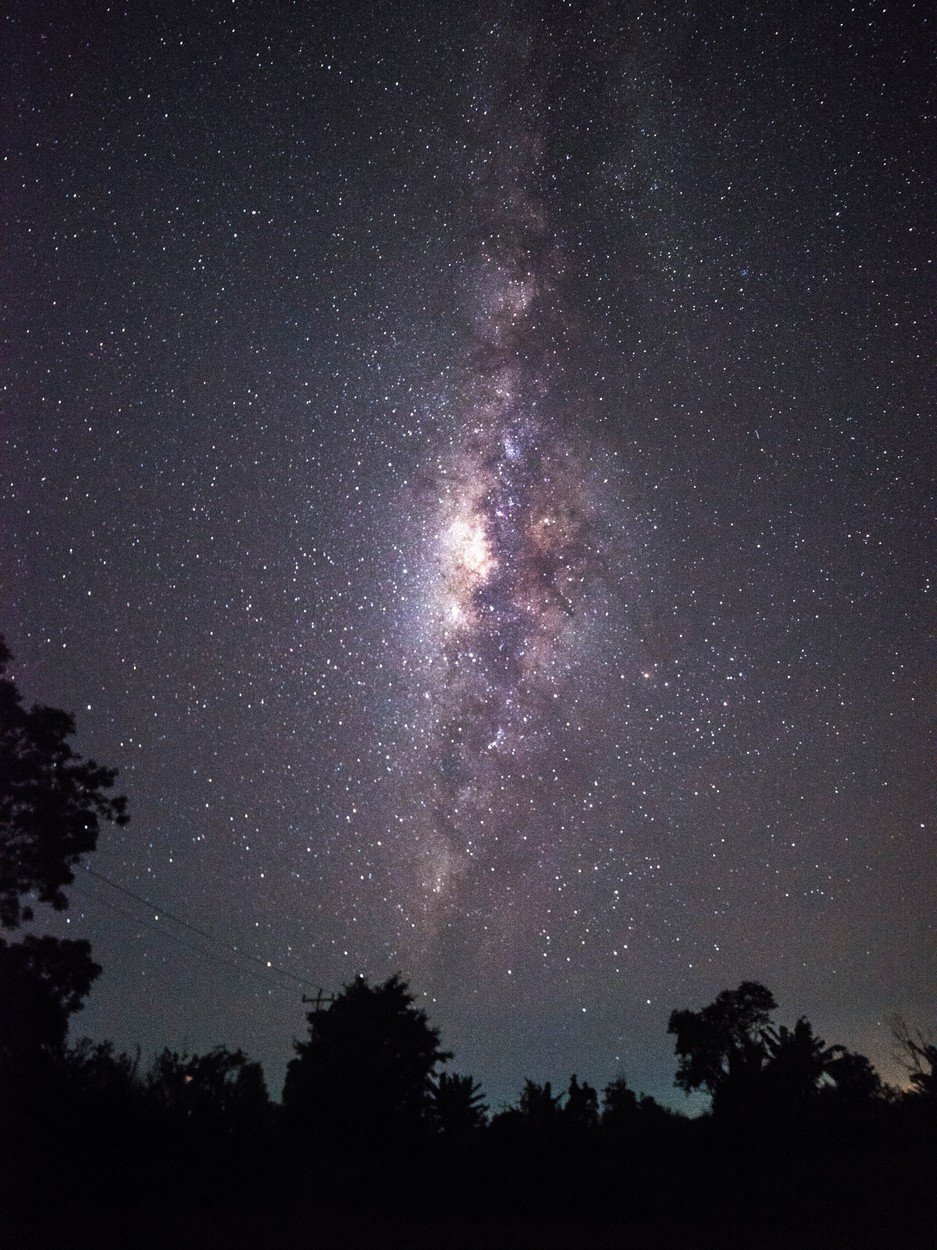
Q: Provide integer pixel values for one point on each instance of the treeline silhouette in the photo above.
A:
(377, 1142)
(804, 1145)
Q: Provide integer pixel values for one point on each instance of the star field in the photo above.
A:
(465, 466)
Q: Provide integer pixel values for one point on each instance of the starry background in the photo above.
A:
(466, 466)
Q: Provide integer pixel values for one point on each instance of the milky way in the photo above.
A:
(511, 554)
(464, 467)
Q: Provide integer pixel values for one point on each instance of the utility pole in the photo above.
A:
(318, 1002)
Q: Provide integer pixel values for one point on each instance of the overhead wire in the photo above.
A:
(164, 932)
(265, 965)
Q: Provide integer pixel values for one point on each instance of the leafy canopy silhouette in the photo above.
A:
(51, 802)
(42, 982)
(369, 1063)
(725, 1040)
(458, 1104)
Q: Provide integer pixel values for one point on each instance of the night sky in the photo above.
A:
(466, 466)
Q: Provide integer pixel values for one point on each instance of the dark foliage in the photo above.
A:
(539, 1104)
(918, 1055)
(582, 1104)
(222, 1084)
(458, 1105)
(722, 1045)
(754, 1070)
(42, 982)
(51, 803)
(627, 1114)
(368, 1067)
(192, 1151)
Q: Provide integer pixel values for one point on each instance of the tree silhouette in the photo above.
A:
(797, 1061)
(538, 1104)
(917, 1054)
(51, 803)
(722, 1048)
(368, 1067)
(101, 1072)
(619, 1104)
(749, 1066)
(582, 1104)
(220, 1083)
(458, 1104)
(854, 1074)
(42, 982)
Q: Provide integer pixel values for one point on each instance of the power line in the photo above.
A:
(164, 932)
(266, 965)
